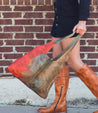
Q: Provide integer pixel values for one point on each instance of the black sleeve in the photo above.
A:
(84, 9)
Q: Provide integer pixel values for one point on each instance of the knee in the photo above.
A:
(70, 62)
(56, 53)
(74, 61)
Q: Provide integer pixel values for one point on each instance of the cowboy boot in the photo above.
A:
(95, 112)
(61, 86)
(89, 78)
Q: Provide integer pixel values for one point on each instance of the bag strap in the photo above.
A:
(73, 43)
(64, 38)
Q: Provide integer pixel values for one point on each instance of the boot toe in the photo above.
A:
(41, 110)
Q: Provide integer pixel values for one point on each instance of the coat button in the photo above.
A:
(55, 9)
(56, 17)
(56, 24)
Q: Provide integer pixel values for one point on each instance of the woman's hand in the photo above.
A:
(80, 28)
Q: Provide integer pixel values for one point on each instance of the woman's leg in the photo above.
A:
(61, 86)
(74, 60)
(85, 73)
(57, 49)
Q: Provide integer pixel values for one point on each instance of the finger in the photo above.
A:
(81, 31)
(74, 29)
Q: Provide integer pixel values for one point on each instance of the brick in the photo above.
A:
(43, 35)
(13, 29)
(1, 70)
(93, 55)
(43, 22)
(0, 2)
(20, 2)
(92, 8)
(5, 63)
(13, 2)
(34, 2)
(0, 56)
(1, 42)
(27, 2)
(49, 15)
(92, 42)
(97, 49)
(43, 8)
(97, 8)
(23, 22)
(53, 1)
(91, 1)
(90, 22)
(6, 49)
(23, 49)
(40, 2)
(87, 49)
(5, 8)
(5, 75)
(12, 15)
(96, 35)
(24, 35)
(82, 42)
(23, 8)
(95, 2)
(90, 62)
(47, 2)
(12, 56)
(14, 42)
(34, 42)
(6, 35)
(33, 15)
(6, 2)
(82, 55)
(48, 28)
(92, 28)
(93, 15)
(88, 35)
(0, 29)
(34, 29)
(7, 71)
(5, 21)
(30, 23)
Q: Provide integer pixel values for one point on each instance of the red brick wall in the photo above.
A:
(25, 24)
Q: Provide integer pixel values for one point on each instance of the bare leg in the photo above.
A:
(85, 73)
(57, 49)
(74, 60)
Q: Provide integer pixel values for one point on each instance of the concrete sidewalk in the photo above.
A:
(32, 109)
(12, 91)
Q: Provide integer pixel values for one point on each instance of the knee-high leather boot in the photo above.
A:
(89, 78)
(61, 86)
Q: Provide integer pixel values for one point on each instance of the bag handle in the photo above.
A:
(64, 38)
(73, 43)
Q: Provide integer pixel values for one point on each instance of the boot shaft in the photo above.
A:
(87, 75)
(61, 83)
(61, 86)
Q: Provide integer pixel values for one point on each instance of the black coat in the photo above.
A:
(73, 8)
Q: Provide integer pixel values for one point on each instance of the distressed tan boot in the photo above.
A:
(89, 78)
(61, 86)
